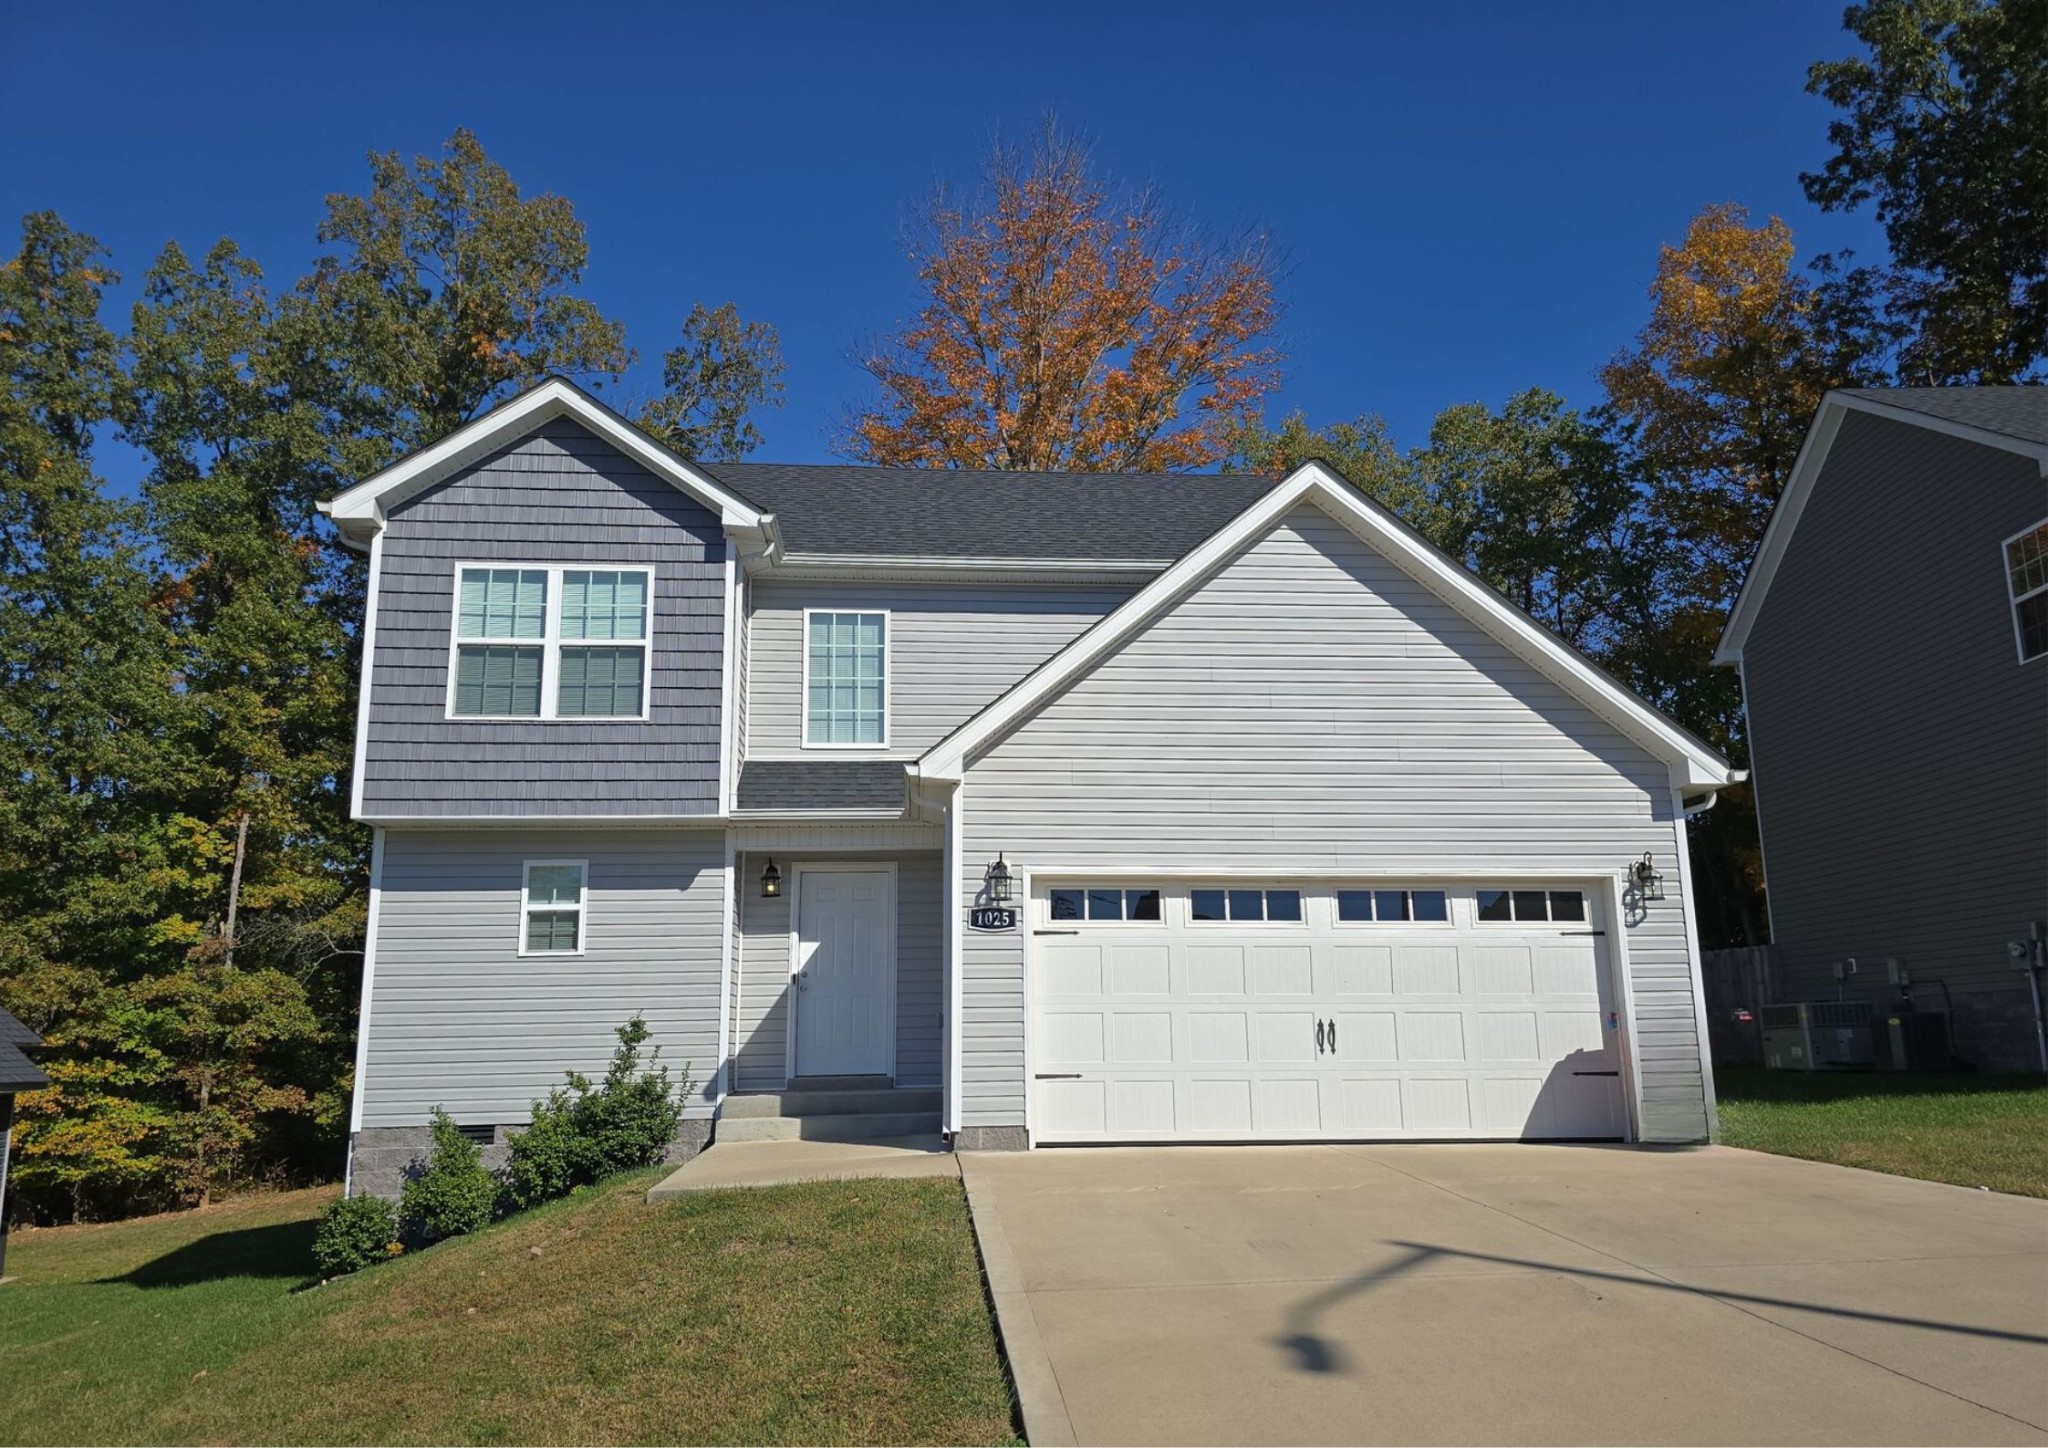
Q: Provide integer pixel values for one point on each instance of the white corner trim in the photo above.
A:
(955, 940)
(728, 697)
(361, 508)
(355, 1109)
(365, 664)
(1695, 976)
(1441, 574)
(1806, 470)
(723, 1081)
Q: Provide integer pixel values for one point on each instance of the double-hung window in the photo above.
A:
(551, 908)
(846, 679)
(2026, 578)
(550, 643)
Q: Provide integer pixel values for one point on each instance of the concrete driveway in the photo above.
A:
(1509, 1294)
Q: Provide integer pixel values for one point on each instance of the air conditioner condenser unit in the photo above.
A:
(1817, 1035)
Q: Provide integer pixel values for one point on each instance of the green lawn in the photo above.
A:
(1974, 1131)
(837, 1312)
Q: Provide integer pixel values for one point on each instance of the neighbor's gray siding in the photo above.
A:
(1311, 705)
(761, 1041)
(1900, 747)
(953, 648)
(558, 495)
(458, 1018)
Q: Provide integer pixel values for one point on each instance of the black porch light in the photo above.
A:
(998, 881)
(771, 881)
(1643, 875)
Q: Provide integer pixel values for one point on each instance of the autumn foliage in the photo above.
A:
(1066, 328)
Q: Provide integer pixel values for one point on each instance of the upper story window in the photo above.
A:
(2026, 577)
(550, 643)
(846, 684)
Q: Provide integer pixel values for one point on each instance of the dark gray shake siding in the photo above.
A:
(558, 495)
(1900, 747)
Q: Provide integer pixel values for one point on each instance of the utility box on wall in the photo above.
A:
(1817, 1035)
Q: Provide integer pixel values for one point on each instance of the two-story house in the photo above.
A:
(1029, 808)
(1893, 640)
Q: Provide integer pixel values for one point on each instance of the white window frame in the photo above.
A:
(887, 616)
(1584, 922)
(1161, 891)
(2014, 600)
(550, 644)
(527, 908)
(1265, 888)
(1338, 922)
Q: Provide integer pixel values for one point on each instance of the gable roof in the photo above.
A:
(1694, 764)
(2011, 419)
(871, 514)
(17, 1072)
(359, 512)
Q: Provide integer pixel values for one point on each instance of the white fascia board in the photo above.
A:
(829, 567)
(360, 510)
(1806, 470)
(550, 822)
(1442, 575)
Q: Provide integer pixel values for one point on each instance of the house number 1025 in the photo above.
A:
(992, 917)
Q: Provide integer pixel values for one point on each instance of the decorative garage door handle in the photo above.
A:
(1333, 1035)
(1319, 1038)
(1056, 1075)
(1596, 1073)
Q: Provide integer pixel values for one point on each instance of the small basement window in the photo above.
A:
(1532, 905)
(551, 908)
(1393, 905)
(2026, 578)
(1238, 905)
(1105, 903)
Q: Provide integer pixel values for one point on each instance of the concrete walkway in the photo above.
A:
(773, 1163)
(1509, 1294)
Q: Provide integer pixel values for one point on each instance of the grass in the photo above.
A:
(1974, 1131)
(834, 1312)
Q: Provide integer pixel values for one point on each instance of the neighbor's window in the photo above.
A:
(1099, 903)
(1532, 905)
(1245, 904)
(552, 908)
(1393, 905)
(550, 643)
(2026, 576)
(845, 683)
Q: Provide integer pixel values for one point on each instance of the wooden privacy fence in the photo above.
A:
(1739, 982)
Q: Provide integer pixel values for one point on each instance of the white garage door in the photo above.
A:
(1285, 1011)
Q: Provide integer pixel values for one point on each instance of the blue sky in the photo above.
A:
(1471, 196)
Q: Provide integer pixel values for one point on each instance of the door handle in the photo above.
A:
(1333, 1035)
(1319, 1038)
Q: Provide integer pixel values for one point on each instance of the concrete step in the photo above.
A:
(827, 1103)
(854, 1126)
(840, 1083)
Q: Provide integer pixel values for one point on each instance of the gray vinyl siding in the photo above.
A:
(458, 1018)
(761, 1041)
(1900, 747)
(557, 495)
(1310, 705)
(953, 648)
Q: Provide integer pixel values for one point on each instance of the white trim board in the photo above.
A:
(1694, 765)
(1806, 470)
(359, 511)
(355, 1110)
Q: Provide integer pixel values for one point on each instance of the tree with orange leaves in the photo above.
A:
(1067, 327)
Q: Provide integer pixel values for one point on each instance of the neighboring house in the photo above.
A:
(17, 1074)
(1893, 642)
(1311, 835)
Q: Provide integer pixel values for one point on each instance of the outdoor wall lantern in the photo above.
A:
(771, 881)
(998, 881)
(1643, 875)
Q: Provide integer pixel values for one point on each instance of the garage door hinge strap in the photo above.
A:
(1056, 1076)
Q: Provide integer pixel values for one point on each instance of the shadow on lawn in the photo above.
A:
(283, 1250)
(1754, 1083)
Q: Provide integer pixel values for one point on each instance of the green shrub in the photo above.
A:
(355, 1232)
(454, 1193)
(582, 1134)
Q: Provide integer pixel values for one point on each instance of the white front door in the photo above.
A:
(844, 985)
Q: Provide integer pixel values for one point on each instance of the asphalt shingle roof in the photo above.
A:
(821, 784)
(947, 513)
(2020, 412)
(17, 1072)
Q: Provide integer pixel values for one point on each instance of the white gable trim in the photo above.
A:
(1694, 765)
(1806, 469)
(359, 512)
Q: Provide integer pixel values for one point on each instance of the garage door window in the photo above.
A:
(1105, 903)
(1532, 905)
(1242, 905)
(1392, 906)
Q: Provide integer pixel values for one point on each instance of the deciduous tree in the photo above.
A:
(1068, 325)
